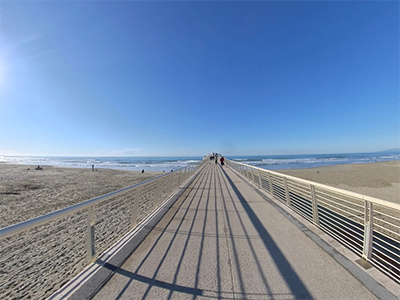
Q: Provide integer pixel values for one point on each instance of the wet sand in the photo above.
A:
(26, 193)
(380, 180)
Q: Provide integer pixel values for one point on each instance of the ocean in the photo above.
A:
(269, 162)
(279, 162)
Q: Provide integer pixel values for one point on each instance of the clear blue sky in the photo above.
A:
(188, 78)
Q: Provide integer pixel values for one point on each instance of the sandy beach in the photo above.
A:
(380, 180)
(26, 193)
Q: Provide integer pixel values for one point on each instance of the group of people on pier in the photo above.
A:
(214, 156)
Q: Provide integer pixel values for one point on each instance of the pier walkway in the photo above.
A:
(223, 240)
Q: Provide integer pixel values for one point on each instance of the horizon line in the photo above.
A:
(186, 155)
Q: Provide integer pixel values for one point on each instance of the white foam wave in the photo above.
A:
(127, 163)
(287, 161)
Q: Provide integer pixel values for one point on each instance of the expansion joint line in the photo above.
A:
(218, 174)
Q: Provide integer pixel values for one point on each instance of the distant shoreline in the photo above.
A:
(152, 163)
(87, 168)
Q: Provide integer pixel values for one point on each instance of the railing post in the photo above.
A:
(171, 183)
(184, 171)
(136, 206)
(259, 177)
(158, 192)
(179, 178)
(252, 174)
(271, 187)
(314, 205)
(90, 243)
(176, 181)
(286, 191)
(368, 230)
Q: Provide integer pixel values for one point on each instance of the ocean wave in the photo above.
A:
(125, 163)
(308, 161)
(286, 161)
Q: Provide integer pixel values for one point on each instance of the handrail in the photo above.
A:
(25, 225)
(366, 225)
(324, 186)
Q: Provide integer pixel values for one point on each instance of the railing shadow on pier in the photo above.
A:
(135, 276)
(296, 285)
(202, 204)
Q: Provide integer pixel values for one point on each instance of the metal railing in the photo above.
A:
(39, 256)
(367, 226)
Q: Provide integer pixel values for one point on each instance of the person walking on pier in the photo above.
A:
(221, 160)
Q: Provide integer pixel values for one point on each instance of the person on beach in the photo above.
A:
(142, 171)
(221, 160)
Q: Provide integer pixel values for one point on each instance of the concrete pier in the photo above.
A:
(223, 240)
